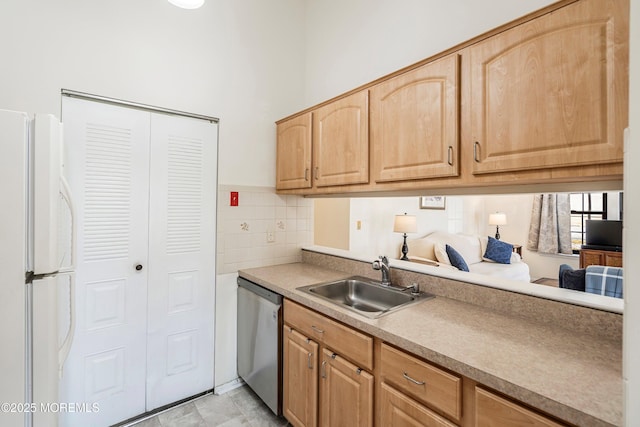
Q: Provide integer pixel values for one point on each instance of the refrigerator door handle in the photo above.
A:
(65, 348)
(66, 195)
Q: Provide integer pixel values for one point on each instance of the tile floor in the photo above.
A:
(239, 407)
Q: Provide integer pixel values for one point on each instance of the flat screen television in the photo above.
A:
(603, 234)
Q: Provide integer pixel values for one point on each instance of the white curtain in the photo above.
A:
(550, 229)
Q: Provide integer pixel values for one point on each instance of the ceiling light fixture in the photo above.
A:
(187, 4)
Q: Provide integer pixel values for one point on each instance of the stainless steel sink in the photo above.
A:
(364, 296)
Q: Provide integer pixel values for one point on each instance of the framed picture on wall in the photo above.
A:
(432, 202)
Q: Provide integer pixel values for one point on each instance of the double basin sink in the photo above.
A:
(365, 296)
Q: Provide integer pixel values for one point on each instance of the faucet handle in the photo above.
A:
(384, 259)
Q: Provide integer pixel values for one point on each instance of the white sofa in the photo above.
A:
(430, 249)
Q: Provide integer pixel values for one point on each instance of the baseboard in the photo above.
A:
(227, 387)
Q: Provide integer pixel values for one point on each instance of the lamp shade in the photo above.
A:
(187, 4)
(498, 218)
(405, 224)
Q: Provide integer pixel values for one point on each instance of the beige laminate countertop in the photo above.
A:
(572, 376)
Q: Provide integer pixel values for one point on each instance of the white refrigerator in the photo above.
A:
(36, 268)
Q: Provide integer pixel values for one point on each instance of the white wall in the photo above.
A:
(350, 43)
(331, 221)
(631, 370)
(376, 216)
(239, 60)
(226, 354)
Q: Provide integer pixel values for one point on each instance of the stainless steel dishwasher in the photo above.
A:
(260, 342)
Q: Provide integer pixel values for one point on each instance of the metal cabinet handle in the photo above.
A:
(138, 267)
(320, 331)
(309, 360)
(404, 374)
(306, 174)
(476, 145)
(317, 173)
(323, 369)
(450, 156)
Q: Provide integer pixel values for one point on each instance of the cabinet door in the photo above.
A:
(493, 410)
(613, 259)
(552, 92)
(346, 393)
(414, 123)
(293, 153)
(341, 141)
(591, 257)
(300, 378)
(398, 410)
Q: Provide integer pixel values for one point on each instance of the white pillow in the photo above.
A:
(422, 248)
(441, 253)
(469, 247)
(466, 245)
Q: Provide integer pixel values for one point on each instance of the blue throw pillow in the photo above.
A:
(456, 259)
(498, 251)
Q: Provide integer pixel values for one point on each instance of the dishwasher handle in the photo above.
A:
(260, 291)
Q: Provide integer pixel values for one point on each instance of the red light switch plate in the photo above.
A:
(234, 199)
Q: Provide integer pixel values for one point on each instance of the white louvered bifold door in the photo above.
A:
(107, 165)
(181, 258)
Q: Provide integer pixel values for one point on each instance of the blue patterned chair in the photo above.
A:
(595, 279)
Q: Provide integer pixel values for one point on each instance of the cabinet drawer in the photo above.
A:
(345, 341)
(493, 410)
(428, 384)
(398, 410)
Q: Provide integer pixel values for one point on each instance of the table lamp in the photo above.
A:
(405, 224)
(498, 219)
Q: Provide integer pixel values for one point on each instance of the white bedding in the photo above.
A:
(516, 271)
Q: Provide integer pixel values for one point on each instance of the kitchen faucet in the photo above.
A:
(382, 264)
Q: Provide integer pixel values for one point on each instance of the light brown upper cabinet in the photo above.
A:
(341, 141)
(541, 100)
(553, 91)
(414, 123)
(338, 136)
(293, 153)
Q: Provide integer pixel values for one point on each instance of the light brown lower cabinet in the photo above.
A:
(330, 376)
(493, 410)
(324, 362)
(346, 393)
(399, 410)
(423, 381)
(300, 377)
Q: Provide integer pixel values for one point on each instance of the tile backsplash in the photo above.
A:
(264, 229)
